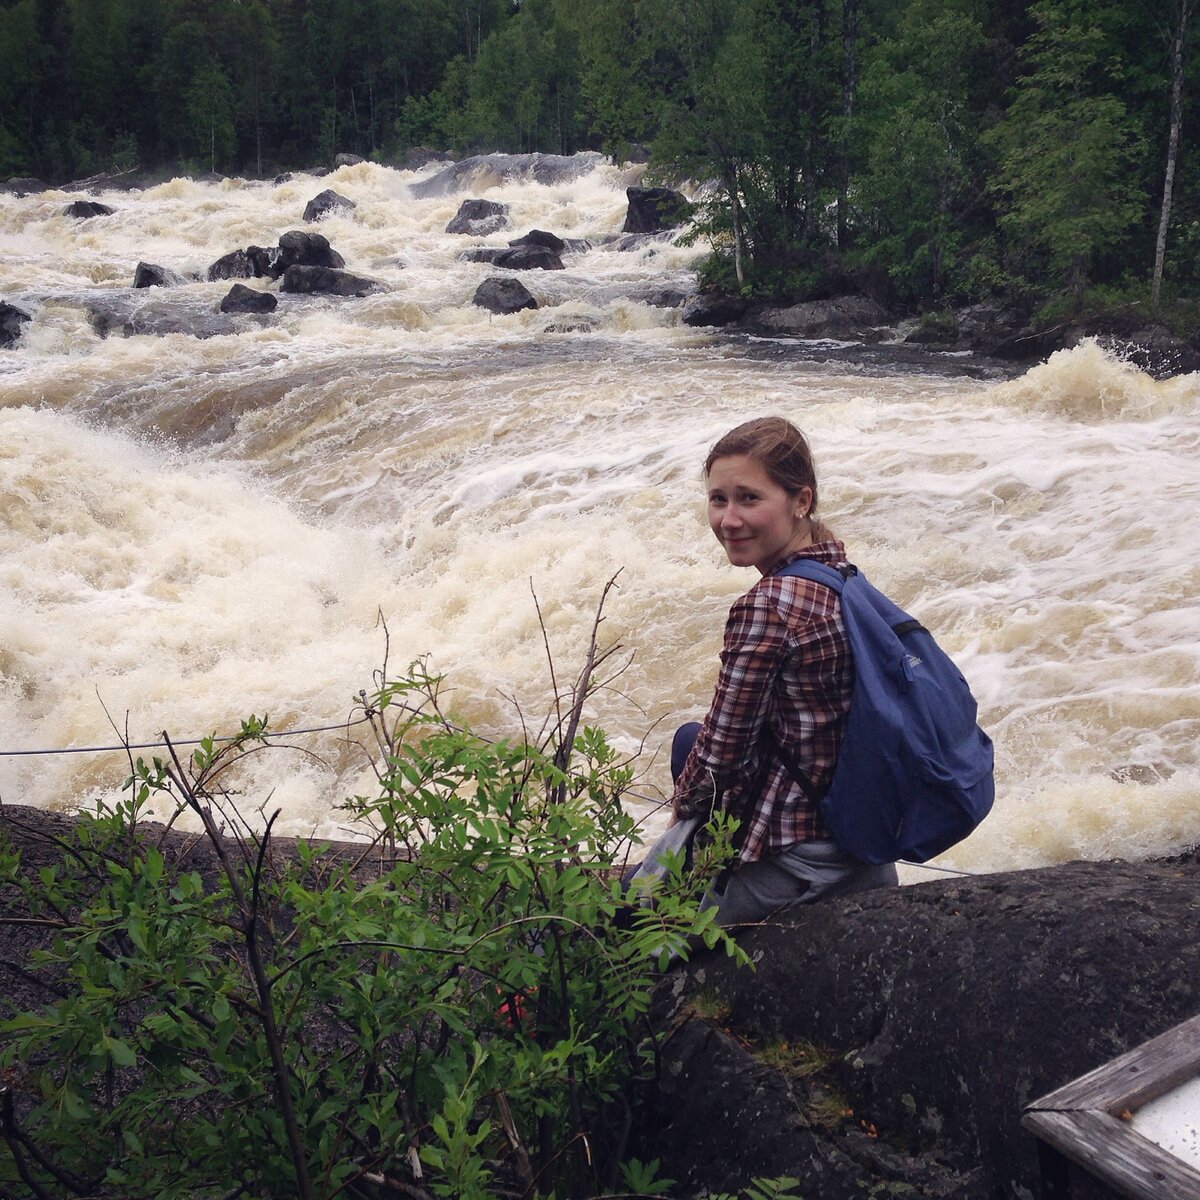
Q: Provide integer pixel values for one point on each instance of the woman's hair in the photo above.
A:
(785, 456)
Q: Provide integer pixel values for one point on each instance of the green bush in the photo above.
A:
(458, 1012)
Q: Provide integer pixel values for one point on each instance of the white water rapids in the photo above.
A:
(193, 530)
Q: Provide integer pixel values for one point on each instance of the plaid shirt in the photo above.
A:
(785, 667)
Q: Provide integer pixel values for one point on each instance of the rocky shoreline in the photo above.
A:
(992, 331)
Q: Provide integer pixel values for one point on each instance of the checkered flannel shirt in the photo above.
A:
(785, 666)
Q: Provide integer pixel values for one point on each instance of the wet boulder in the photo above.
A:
(326, 202)
(299, 248)
(237, 264)
(417, 157)
(842, 316)
(24, 185)
(307, 280)
(148, 275)
(482, 254)
(539, 237)
(81, 210)
(714, 310)
(127, 316)
(12, 324)
(658, 296)
(528, 258)
(501, 295)
(347, 160)
(242, 299)
(652, 210)
(479, 218)
(296, 248)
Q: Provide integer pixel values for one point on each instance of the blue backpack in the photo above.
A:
(914, 772)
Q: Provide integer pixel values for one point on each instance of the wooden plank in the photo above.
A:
(1135, 1078)
(1113, 1152)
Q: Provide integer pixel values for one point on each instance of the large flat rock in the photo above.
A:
(939, 1012)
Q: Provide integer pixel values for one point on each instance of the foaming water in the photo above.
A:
(196, 529)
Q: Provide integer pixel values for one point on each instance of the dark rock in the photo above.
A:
(482, 254)
(237, 264)
(210, 177)
(348, 160)
(1153, 349)
(941, 1011)
(296, 248)
(117, 317)
(284, 177)
(83, 209)
(479, 218)
(241, 299)
(151, 275)
(264, 261)
(12, 324)
(658, 297)
(854, 316)
(760, 1121)
(997, 330)
(417, 157)
(654, 209)
(539, 237)
(25, 185)
(327, 281)
(714, 310)
(326, 202)
(528, 258)
(500, 295)
(514, 258)
(935, 329)
(634, 241)
(299, 248)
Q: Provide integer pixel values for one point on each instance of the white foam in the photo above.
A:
(199, 529)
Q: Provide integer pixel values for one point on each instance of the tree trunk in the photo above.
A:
(1182, 14)
(849, 84)
(738, 268)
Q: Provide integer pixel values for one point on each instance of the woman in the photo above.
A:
(784, 686)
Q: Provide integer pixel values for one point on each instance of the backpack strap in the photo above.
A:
(832, 578)
(797, 774)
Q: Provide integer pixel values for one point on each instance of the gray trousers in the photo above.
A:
(802, 873)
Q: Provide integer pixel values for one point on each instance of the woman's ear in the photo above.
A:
(803, 501)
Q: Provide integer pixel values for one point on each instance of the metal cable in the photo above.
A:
(179, 741)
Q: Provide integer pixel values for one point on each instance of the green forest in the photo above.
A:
(933, 152)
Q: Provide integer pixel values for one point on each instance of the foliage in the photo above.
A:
(1065, 145)
(459, 1010)
(919, 147)
(939, 151)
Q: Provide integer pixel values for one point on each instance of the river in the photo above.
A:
(196, 529)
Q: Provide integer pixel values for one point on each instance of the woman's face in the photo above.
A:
(756, 520)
